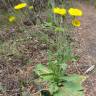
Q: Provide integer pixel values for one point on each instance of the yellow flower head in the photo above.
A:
(12, 18)
(20, 6)
(75, 12)
(76, 23)
(30, 7)
(59, 11)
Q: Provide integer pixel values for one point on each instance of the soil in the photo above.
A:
(16, 71)
(86, 36)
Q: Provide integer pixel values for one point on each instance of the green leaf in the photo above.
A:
(45, 73)
(59, 93)
(41, 70)
(47, 77)
(72, 86)
(64, 66)
(59, 29)
(68, 90)
(74, 78)
(47, 24)
(53, 88)
(74, 82)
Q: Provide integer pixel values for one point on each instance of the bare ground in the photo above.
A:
(86, 36)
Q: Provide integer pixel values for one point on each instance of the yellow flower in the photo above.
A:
(20, 6)
(59, 11)
(55, 10)
(30, 7)
(12, 18)
(75, 12)
(76, 23)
